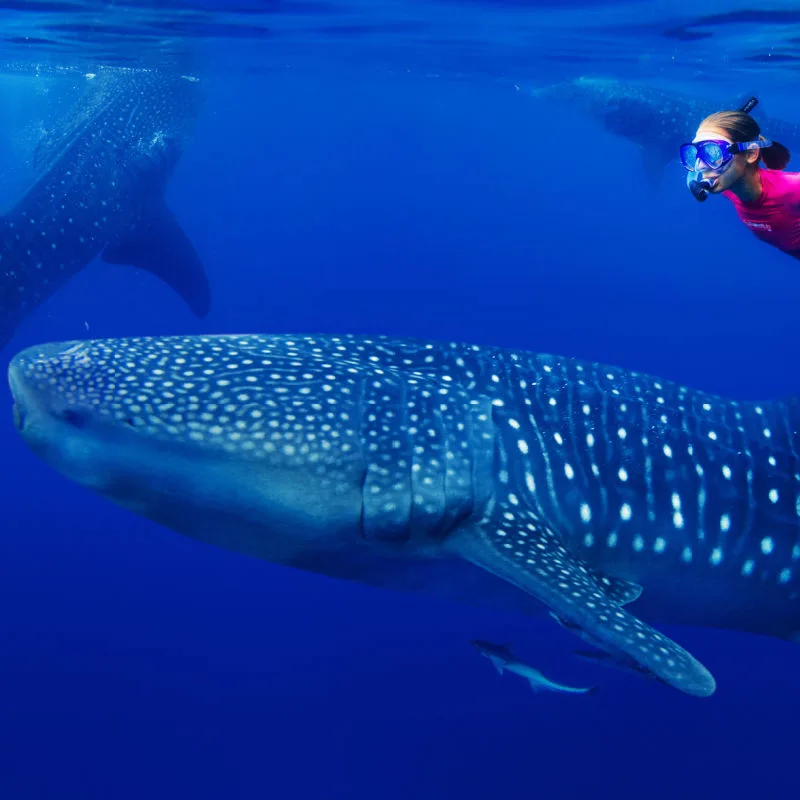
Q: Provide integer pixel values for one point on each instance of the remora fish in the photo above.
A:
(101, 191)
(503, 659)
(493, 475)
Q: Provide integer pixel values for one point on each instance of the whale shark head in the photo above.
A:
(202, 435)
(270, 445)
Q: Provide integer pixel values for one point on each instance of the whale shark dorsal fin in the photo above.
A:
(159, 246)
(536, 561)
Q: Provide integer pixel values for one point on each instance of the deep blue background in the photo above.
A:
(135, 663)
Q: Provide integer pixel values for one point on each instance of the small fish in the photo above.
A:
(503, 659)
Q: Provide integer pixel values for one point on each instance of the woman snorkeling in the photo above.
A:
(725, 158)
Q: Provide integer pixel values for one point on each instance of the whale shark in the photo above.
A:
(99, 190)
(523, 481)
(657, 121)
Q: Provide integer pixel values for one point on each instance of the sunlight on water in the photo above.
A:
(708, 40)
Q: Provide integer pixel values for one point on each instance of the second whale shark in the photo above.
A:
(100, 191)
(495, 476)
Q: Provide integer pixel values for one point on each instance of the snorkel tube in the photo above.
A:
(700, 188)
(749, 105)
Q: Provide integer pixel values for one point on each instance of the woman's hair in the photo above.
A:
(741, 127)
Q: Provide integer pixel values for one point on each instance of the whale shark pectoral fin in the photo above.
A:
(540, 565)
(159, 246)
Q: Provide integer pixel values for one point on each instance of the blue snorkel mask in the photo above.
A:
(715, 154)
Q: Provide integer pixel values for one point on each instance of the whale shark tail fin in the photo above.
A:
(158, 245)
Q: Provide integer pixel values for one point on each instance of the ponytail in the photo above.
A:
(776, 156)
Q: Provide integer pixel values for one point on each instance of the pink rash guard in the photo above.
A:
(775, 216)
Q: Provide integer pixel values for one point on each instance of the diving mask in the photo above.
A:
(715, 153)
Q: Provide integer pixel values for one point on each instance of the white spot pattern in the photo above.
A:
(543, 445)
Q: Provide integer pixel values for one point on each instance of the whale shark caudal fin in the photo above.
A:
(530, 556)
(158, 245)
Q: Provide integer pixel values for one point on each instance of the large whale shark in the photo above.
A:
(494, 476)
(100, 190)
(655, 120)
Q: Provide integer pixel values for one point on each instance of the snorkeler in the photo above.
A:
(725, 158)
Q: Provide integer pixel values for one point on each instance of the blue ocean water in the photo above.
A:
(383, 168)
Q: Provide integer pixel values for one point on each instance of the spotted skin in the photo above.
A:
(100, 191)
(610, 496)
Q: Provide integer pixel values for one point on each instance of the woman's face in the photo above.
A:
(728, 174)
